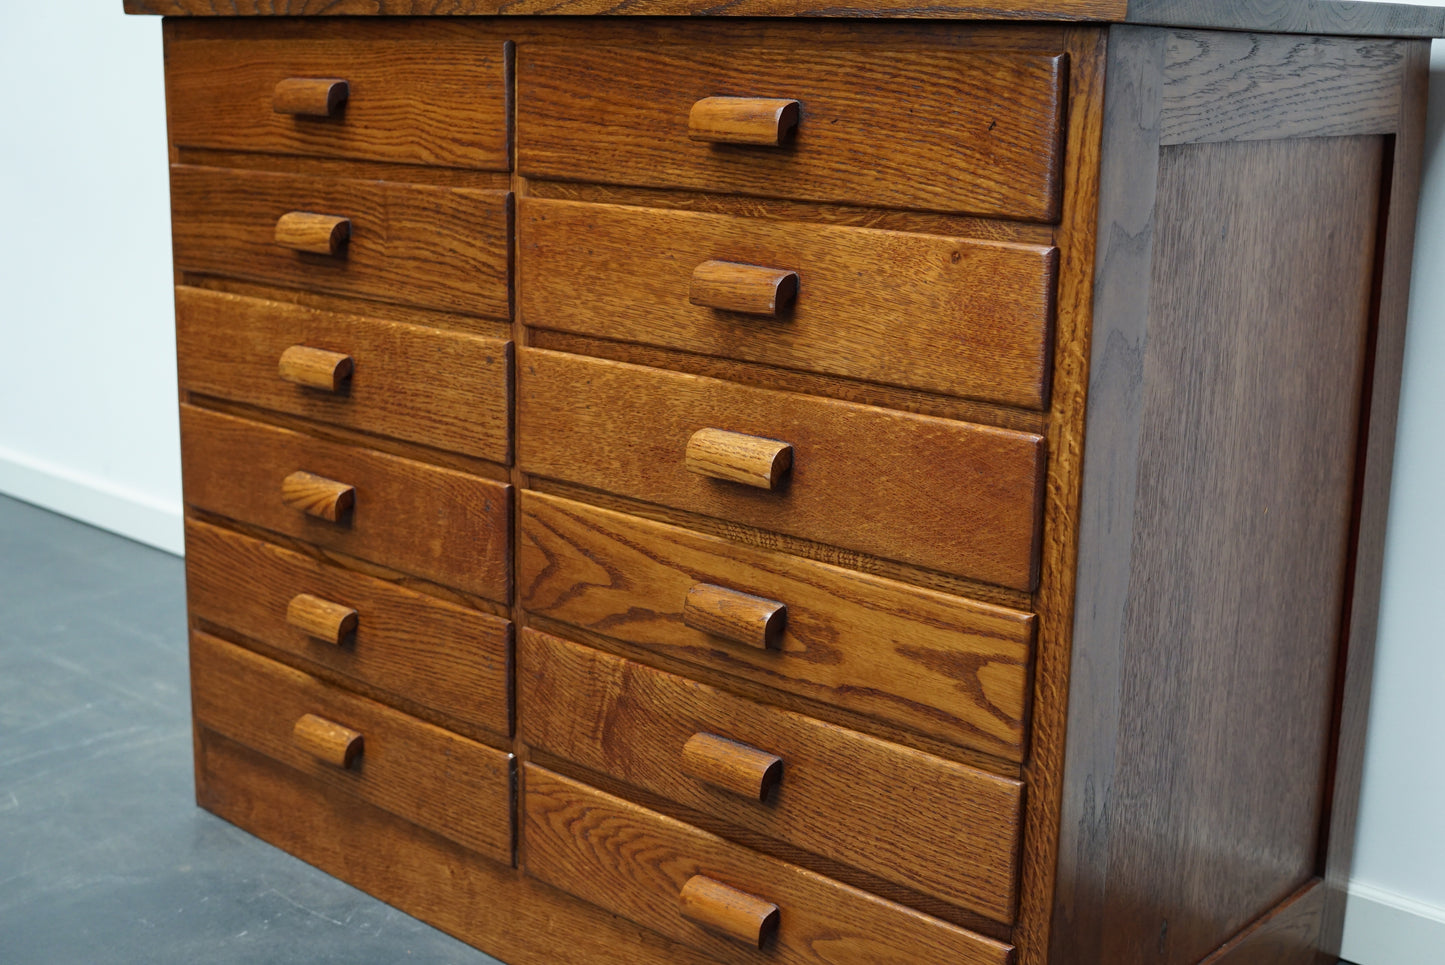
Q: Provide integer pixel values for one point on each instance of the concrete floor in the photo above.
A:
(104, 856)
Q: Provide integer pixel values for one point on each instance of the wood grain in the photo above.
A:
(436, 523)
(450, 659)
(315, 368)
(738, 458)
(327, 741)
(320, 497)
(948, 667)
(1294, 16)
(442, 248)
(760, 121)
(986, 142)
(729, 911)
(420, 92)
(442, 782)
(944, 495)
(731, 766)
(321, 619)
(442, 389)
(751, 289)
(947, 314)
(732, 615)
(1288, 935)
(310, 96)
(312, 233)
(633, 862)
(940, 828)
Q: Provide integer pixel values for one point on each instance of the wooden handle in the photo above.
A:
(765, 121)
(318, 234)
(750, 460)
(310, 96)
(316, 368)
(320, 618)
(733, 615)
(734, 913)
(318, 496)
(734, 767)
(327, 741)
(751, 289)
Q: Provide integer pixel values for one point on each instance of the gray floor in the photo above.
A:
(104, 857)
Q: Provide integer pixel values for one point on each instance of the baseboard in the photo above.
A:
(1383, 928)
(99, 502)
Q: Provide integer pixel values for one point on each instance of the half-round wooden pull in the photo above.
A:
(320, 618)
(734, 615)
(764, 121)
(326, 740)
(310, 96)
(734, 287)
(316, 368)
(750, 460)
(317, 234)
(725, 909)
(734, 767)
(318, 496)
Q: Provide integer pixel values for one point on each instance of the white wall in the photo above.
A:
(88, 414)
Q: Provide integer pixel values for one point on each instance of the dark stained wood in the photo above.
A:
(760, 121)
(946, 314)
(327, 741)
(443, 248)
(986, 142)
(1348, 19)
(1288, 935)
(944, 495)
(442, 389)
(946, 666)
(940, 828)
(453, 660)
(635, 863)
(436, 523)
(310, 96)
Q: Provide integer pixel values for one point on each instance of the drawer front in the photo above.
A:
(438, 524)
(442, 389)
(442, 248)
(417, 92)
(406, 644)
(637, 863)
(948, 315)
(950, 496)
(931, 825)
(978, 132)
(452, 786)
(949, 667)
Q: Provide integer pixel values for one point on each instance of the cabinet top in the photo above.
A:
(1277, 16)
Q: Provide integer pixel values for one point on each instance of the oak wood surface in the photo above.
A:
(941, 828)
(946, 314)
(733, 615)
(944, 495)
(419, 91)
(315, 368)
(728, 911)
(760, 121)
(740, 458)
(312, 233)
(436, 523)
(321, 619)
(327, 741)
(310, 96)
(634, 862)
(442, 248)
(731, 765)
(427, 775)
(451, 659)
(444, 389)
(751, 289)
(946, 666)
(1289, 934)
(317, 496)
(986, 142)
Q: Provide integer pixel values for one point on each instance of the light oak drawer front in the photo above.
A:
(446, 526)
(643, 866)
(442, 389)
(950, 496)
(429, 776)
(949, 667)
(948, 315)
(932, 825)
(411, 646)
(409, 92)
(442, 248)
(939, 129)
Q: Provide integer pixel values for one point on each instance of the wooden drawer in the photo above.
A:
(946, 495)
(821, 788)
(949, 315)
(949, 667)
(408, 645)
(637, 863)
(438, 524)
(920, 127)
(443, 248)
(431, 777)
(442, 389)
(418, 92)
